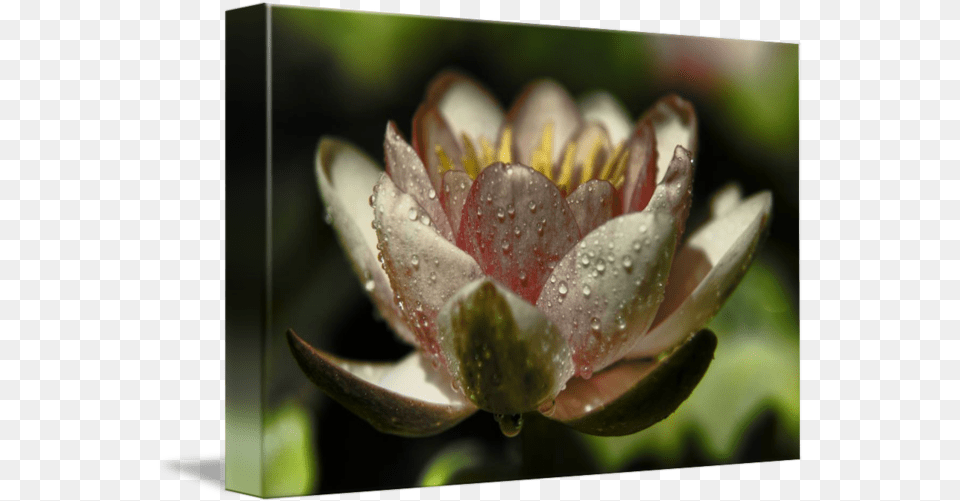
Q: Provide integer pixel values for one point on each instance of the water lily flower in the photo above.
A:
(536, 258)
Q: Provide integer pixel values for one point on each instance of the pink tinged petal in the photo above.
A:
(675, 122)
(453, 194)
(674, 193)
(408, 173)
(467, 107)
(346, 178)
(541, 103)
(605, 292)
(517, 225)
(641, 168)
(425, 269)
(593, 204)
(504, 353)
(707, 270)
(635, 394)
(407, 398)
(430, 130)
(604, 108)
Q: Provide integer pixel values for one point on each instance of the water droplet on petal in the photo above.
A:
(595, 323)
(415, 261)
(369, 285)
(627, 263)
(412, 214)
(562, 289)
(586, 290)
(432, 194)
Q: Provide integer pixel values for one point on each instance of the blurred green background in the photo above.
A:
(345, 74)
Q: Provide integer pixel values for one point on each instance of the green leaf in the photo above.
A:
(291, 466)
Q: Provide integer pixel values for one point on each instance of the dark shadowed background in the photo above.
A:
(346, 74)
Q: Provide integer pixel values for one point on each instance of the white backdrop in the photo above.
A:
(111, 247)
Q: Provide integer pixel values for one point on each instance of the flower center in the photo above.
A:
(596, 164)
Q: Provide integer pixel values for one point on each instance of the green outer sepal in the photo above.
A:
(656, 395)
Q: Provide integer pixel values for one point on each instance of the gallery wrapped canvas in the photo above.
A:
(464, 251)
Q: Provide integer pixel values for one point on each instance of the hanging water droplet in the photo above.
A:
(432, 194)
(562, 289)
(586, 290)
(510, 425)
(369, 285)
(412, 214)
(328, 217)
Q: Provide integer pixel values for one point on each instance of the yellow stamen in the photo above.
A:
(506, 139)
(588, 164)
(566, 169)
(470, 160)
(445, 163)
(489, 154)
(621, 169)
(611, 161)
(540, 159)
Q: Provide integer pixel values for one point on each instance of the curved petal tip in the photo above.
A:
(407, 398)
(635, 394)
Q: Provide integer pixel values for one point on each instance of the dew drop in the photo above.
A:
(510, 425)
(511, 211)
(532, 206)
(328, 217)
(562, 289)
(432, 194)
(627, 263)
(586, 290)
(412, 214)
(505, 246)
(636, 245)
(601, 266)
(369, 285)
(500, 215)
(595, 324)
(585, 261)
(415, 261)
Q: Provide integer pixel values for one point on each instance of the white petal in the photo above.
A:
(541, 103)
(408, 397)
(469, 108)
(346, 177)
(676, 124)
(706, 271)
(605, 293)
(425, 269)
(604, 108)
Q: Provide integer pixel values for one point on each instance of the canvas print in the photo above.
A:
(466, 251)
